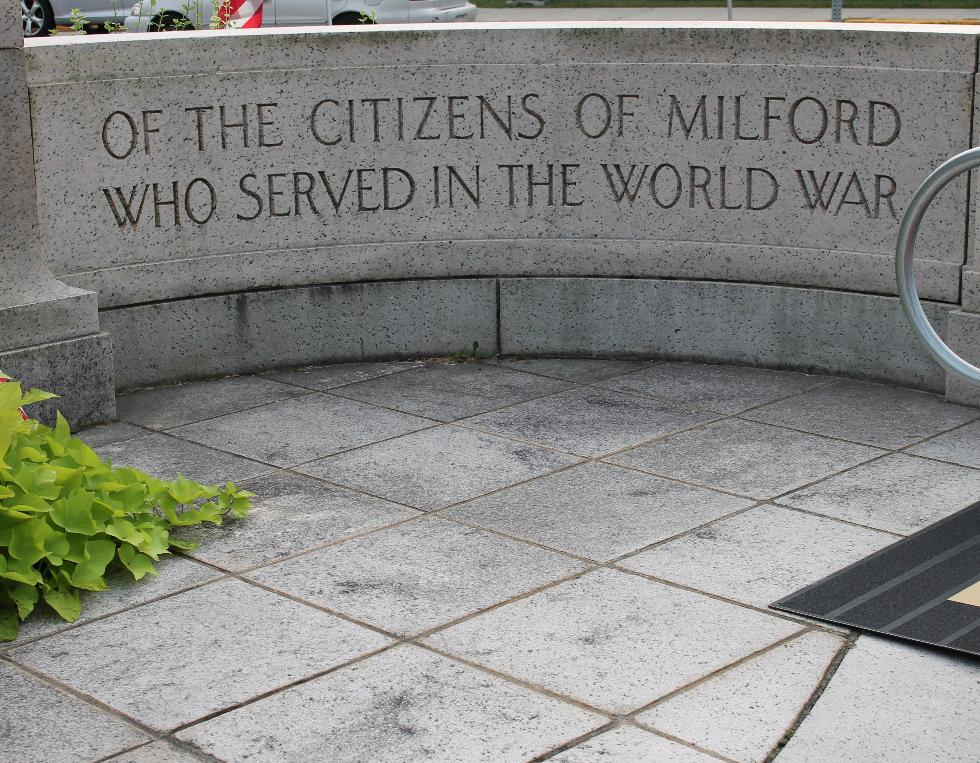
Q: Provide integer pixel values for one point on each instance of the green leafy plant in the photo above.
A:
(66, 515)
(222, 10)
(470, 353)
(78, 20)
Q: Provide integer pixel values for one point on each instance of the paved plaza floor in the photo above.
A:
(507, 561)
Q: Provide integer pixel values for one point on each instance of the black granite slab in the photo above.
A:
(905, 589)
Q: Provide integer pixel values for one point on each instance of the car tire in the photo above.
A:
(166, 22)
(349, 19)
(37, 16)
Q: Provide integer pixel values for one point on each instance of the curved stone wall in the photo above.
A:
(720, 192)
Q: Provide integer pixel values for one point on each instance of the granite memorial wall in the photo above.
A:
(729, 193)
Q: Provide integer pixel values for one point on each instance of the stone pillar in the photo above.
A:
(963, 335)
(49, 332)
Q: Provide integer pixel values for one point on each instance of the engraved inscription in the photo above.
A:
(628, 149)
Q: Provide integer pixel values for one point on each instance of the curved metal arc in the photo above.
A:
(905, 249)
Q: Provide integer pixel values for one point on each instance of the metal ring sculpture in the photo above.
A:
(932, 185)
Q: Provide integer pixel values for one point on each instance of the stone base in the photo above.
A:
(848, 334)
(252, 331)
(964, 340)
(46, 311)
(79, 370)
(857, 335)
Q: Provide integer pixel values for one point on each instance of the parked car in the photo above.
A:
(196, 14)
(41, 16)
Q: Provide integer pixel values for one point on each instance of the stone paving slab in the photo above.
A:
(106, 434)
(170, 662)
(406, 704)
(597, 511)
(339, 374)
(438, 467)
(302, 429)
(451, 392)
(760, 555)
(743, 712)
(174, 574)
(900, 494)
(748, 458)
(628, 744)
(579, 370)
(958, 446)
(169, 407)
(893, 701)
(612, 640)
(156, 752)
(43, 724)
(723, 389)
(290, 513)
(167, 457)
(590, 421)
(873, 414)
(417, 575)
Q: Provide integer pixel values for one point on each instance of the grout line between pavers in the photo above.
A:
(684, 742)
(575, 742)
(278, 690)
(821, 687)
(511, 679)
(360, 489)
(832, 475)
(167, 739)
(580, 557)
(837, 438)
(714, 674)
(213, 449)
(306, 550)
(786, 616)
(7, 647)
(647, 363)
(143, 432)
(55, 683)
(814, 513)
(682, 481)
(209, 416)
(936, 460)
(602, 384)
(269, 374)
(570, 387)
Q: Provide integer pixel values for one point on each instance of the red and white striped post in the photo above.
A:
(241, 14)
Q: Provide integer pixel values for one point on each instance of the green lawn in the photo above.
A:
(848, 5)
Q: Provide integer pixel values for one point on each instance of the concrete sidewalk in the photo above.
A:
(720, 14)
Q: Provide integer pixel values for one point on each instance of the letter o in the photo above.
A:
(792, 119)
(578, 115)
(212, 204)
(133, 134)
(653, 186)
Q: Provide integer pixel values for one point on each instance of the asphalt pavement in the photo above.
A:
(545, 13)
